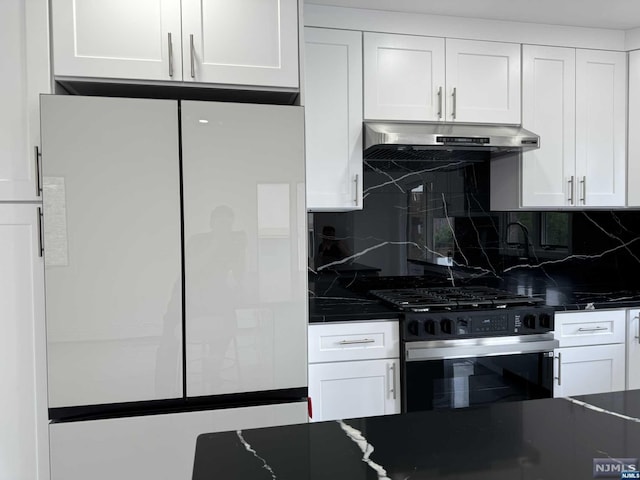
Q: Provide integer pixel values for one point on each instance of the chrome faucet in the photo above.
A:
(525, 232)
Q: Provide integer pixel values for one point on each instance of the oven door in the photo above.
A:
(445, 374)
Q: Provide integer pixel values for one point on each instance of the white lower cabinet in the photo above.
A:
(354, 389)
(592, 369)
(161, 447)
(591, 357)
(354, 370)
(633, 349)
(23, 403)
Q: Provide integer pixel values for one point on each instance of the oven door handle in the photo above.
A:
(479, 347)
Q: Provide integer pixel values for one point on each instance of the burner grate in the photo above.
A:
(452, 298)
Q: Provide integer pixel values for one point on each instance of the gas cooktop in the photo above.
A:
(453, 298)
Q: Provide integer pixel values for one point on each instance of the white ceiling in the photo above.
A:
(614, 14)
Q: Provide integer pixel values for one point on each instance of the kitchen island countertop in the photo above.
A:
(551, 439)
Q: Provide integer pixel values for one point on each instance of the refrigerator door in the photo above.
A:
(112, 249)
(245, 247)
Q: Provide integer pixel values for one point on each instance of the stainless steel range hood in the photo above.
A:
(425, 141)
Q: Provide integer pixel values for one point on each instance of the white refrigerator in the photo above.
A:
(175, 271)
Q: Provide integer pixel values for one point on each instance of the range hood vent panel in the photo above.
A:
(421, 141)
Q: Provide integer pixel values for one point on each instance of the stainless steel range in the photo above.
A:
(468, 346)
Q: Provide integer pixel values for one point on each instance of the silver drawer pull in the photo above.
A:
(351, 342)
(393, 379)
(595, 329)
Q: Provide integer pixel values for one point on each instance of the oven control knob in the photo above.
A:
(446, 325)
(529, 321)
(545, 320)
(430, 327)
(413, 327)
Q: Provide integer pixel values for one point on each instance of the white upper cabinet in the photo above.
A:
(25, 74)
(483, 81)
(576, 101)
(236, 42)
(333, 116)
(601, 127)
(248, 42)
(404, 77)
(117, 39)
(633, 162)
(548, 109)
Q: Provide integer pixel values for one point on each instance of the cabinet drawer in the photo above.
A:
(590, 328)
(353, 341)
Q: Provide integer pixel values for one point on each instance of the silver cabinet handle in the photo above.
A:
(559, 357)
(170, 45)
(355, 181)
(583, 183)
(40, 234)
(453, 113)
(570, 182)
(192, 52)
(393, 379)
(594, 329)
(637, 337)
(439, 103)
(352, 342)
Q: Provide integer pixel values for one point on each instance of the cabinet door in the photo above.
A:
(23, 404)
(112, 249)
(585, 370)
(117, 39)
(24, 48)
(633, 349)
(245, 247)
(600, 127)
(155, 446)
(403, 77)
(549, 110)
(633, 160)
(483, 81)
(333, 119)
(354, 389)
(240, 42)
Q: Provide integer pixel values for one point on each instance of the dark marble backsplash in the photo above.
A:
(422, 218)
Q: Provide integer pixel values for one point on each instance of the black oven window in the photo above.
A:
(468, 382)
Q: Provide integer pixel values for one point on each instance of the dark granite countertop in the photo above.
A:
(537, 440)
(339, 299)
